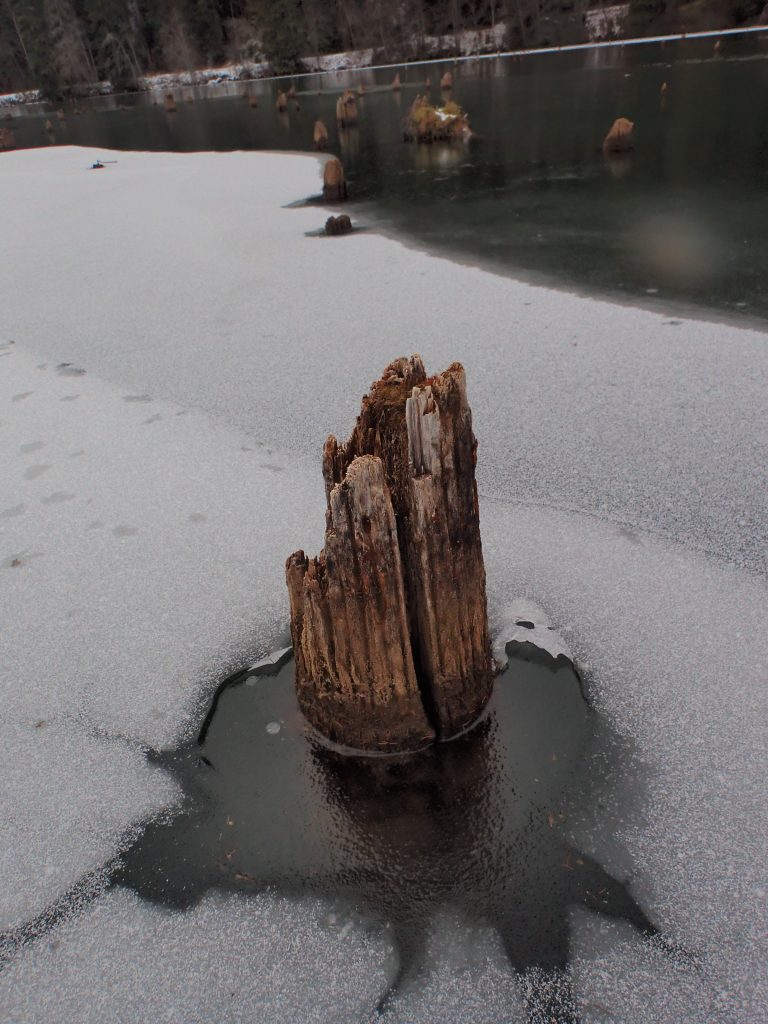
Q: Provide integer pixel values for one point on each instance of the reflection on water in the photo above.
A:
(480, 827)
(682, 216)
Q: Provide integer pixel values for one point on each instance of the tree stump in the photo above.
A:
(334, 184)
(340, 225)
(346, 109)
(320, 136)
(619, 138)
(389, 622)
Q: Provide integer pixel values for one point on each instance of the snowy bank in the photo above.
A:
(174, 352)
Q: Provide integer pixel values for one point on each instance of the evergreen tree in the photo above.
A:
(29, 19)
(206, 29)
(282, 31)
(71, 61)
(113, 41)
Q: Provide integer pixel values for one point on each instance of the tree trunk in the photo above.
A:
(389, 622)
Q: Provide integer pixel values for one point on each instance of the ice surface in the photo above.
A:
(228, 960)
(69, 798)
(122, 605)
(148, 504)
(674, 647)
(634, 416)
(524, 622)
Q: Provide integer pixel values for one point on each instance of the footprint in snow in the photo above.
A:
(125, 531)
(57, 497)
(31, 446)
(37, 470)
(14, 510)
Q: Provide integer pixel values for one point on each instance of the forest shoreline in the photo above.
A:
(472, 47)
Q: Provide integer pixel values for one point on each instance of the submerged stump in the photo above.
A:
(620, 138)
(346, 109)
(340, 225)
(320, 136)
(426, 123)
(389, 622)
(334, 183)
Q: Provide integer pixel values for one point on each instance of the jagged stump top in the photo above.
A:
(389, 622)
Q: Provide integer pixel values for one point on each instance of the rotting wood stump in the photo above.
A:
(620, 138)
(320, 135)
(334, 183)
(389, 622)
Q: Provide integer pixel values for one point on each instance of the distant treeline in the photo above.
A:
(63, 46)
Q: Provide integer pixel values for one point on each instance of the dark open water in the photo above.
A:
(683, 219)
(482, 827)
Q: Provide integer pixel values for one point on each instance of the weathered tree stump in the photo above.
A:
(446, 82)
(396, 83)
(169, 101)
(340, 225)
(346, 109)
(619, 139)
(389, 622)
(320, 136)
(334, 184)
(281, 103)
(7, 139)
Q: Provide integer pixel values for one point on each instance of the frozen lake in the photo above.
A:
(681, 219)
(174, 351)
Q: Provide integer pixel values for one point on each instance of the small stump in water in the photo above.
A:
(320, 136)
(396, 83)
(7, 138)
(170, 103)
(282, 102)
(340, 225)
(619, 138)
(426, 123)
(389, 622)
(446, 82)
(346, 109)
(334, 184)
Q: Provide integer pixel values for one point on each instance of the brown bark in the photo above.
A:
(355, 676)
(619, 138)
(320, 136)
(410, 463)
(334, 184)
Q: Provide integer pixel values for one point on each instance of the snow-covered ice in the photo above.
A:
(147, 506)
